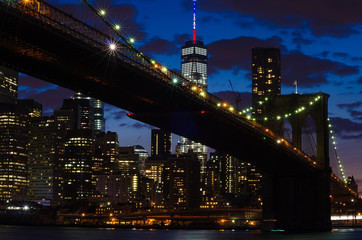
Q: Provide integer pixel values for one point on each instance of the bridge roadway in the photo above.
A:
(51, 45)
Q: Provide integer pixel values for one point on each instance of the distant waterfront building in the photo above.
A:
(13, 154)
(160, 142)
(231, 178)
(45, 166)
(266, 75)
(8, 85)
(78, 163)
(181, 182)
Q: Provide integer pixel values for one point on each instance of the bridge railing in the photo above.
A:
(66, 23)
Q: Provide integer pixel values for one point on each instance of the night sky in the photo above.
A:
(320, 43)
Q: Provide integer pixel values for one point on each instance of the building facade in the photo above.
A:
(160, 142)
(266, 76)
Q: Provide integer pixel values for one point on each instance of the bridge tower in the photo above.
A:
(292, 200)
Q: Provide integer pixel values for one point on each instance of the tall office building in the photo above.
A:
(266, 75)
(78, 163)
(98, 112)
(181, 185)
(45, 167)
(160, 142)
(105, 160)
(33, 108)
(83, 112)
(13, 153)
(8, 85)
(194, 68)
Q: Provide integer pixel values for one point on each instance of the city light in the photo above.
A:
(102, 12)
(112, 46)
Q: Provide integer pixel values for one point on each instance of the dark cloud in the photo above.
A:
(118, 115)
(340, 55)
(235, 54)
(346, 128)
(160, 46)
(311, 71)
(355, 113)
(323, 17)
(181, 39)
(49, 95)
(350, 105)
(357, 59)
(136, 125)
(360, 80)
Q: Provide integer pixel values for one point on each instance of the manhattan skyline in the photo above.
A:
(319, 49)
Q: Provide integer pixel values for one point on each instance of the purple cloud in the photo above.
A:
(160, 46)
(350, 105)
(337, 19)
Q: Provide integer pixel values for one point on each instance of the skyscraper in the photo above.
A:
(98, 112)
(194, 68)
(266, 75)
(8, 85)
(45, 167)
(13, 154)
(160, 142)
(78, 153)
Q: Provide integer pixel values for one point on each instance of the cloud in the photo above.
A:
(180, 39)
(311, 71)
(160, 46)
(117, 115)
(235, 54)
(360, 80)
(136, 125)
(323, 17)
(49, 95)
(340, 55)
(346, 128)
(350, 105)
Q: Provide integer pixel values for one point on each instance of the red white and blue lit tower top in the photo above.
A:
(194, 25)
(194, 58)
(194, 68)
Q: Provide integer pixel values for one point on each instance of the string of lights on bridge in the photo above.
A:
(334, 143)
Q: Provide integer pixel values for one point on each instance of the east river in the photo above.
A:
(73, 233)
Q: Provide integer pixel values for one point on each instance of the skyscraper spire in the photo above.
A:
(194, 25)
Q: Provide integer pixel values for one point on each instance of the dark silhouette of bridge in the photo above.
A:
(44, 42)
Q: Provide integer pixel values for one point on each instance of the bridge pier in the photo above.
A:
(297, 202)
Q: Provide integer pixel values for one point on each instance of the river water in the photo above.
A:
(73, 233)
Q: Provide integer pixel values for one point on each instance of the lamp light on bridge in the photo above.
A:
(117, 27)
(102, 12)
(174, 80)
(219, 104)
(131, 40)
(278, 141)
(112, 46)
(231, 109)
(224, 104)
(164, 69)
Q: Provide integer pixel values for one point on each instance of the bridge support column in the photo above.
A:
(297, 202)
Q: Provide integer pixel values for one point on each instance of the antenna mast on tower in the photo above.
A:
(194, 24)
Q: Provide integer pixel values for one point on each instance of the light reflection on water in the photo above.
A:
(63, 233)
